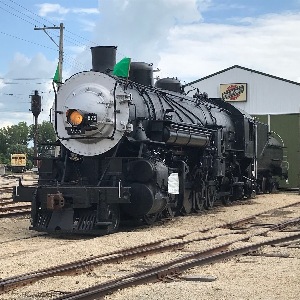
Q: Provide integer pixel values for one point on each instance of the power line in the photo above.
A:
(75, 42)
(19, 38)
(12, 13)
(15, 14)
(32, 12)
(16, 95)
(47, 21)
(68, 59)
(29, 83)
(75, 63)
(28, 78)
(81, 37)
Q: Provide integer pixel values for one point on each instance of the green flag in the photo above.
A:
(56, 76)
(121, 69)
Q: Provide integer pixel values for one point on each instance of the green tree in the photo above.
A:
(3, 147)
(13, 139)
(46, 136)
(18, 134)
(19, 139)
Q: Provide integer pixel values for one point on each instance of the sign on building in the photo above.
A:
(233, 91)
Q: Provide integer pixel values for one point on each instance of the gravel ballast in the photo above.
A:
(243, 277)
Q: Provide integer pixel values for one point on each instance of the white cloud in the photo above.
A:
(5, 124)
(269, 44)
(87, 11)
(49, 8)
(173, 35)
(141, 28)
(88, 25)
(1, 83)
(24, 76)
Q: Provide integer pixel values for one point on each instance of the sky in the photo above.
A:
(186, 39)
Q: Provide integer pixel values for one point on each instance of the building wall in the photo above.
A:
(288, 128)
(265, 94)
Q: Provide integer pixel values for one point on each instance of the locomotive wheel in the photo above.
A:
(111, 213)
(168, 212)
(225, 188)
(187, 204)
(114, 217)
(248, 190)
(264, 185)
(273, 187)
(211, 196)
(199, 200)
(150, 219)
(226, 200)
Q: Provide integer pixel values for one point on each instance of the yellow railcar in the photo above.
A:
(18, 162)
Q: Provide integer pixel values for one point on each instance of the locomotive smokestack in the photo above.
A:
(103, 58)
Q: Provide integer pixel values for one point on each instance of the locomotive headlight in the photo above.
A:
(81, 121)
(74, 117)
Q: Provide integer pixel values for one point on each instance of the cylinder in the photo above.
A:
(185, 138)
(103, 58)
(144, 200)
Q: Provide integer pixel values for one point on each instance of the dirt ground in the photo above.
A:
(243, 277)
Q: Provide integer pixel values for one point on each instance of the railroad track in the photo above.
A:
(167, 271)
(6, 189)
(6, 193)
(243, 227)
(5, 199)
(5, 203)
(7, 211)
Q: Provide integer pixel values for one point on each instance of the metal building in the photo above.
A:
(269, 98)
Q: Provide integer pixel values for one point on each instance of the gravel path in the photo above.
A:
(246, 277)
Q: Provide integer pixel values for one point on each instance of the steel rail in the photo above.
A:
(5, 199)
(153, 247)
(6, 202)
(14, 214)
(86, 264)
(13, 208)
(173, 268)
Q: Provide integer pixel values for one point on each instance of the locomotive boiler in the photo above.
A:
(128, 149)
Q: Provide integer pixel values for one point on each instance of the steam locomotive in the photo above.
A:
(129, 149)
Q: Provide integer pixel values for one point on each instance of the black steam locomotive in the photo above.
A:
(127, 149)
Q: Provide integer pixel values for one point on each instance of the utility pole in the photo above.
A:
(60, 46)
(36, 99)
